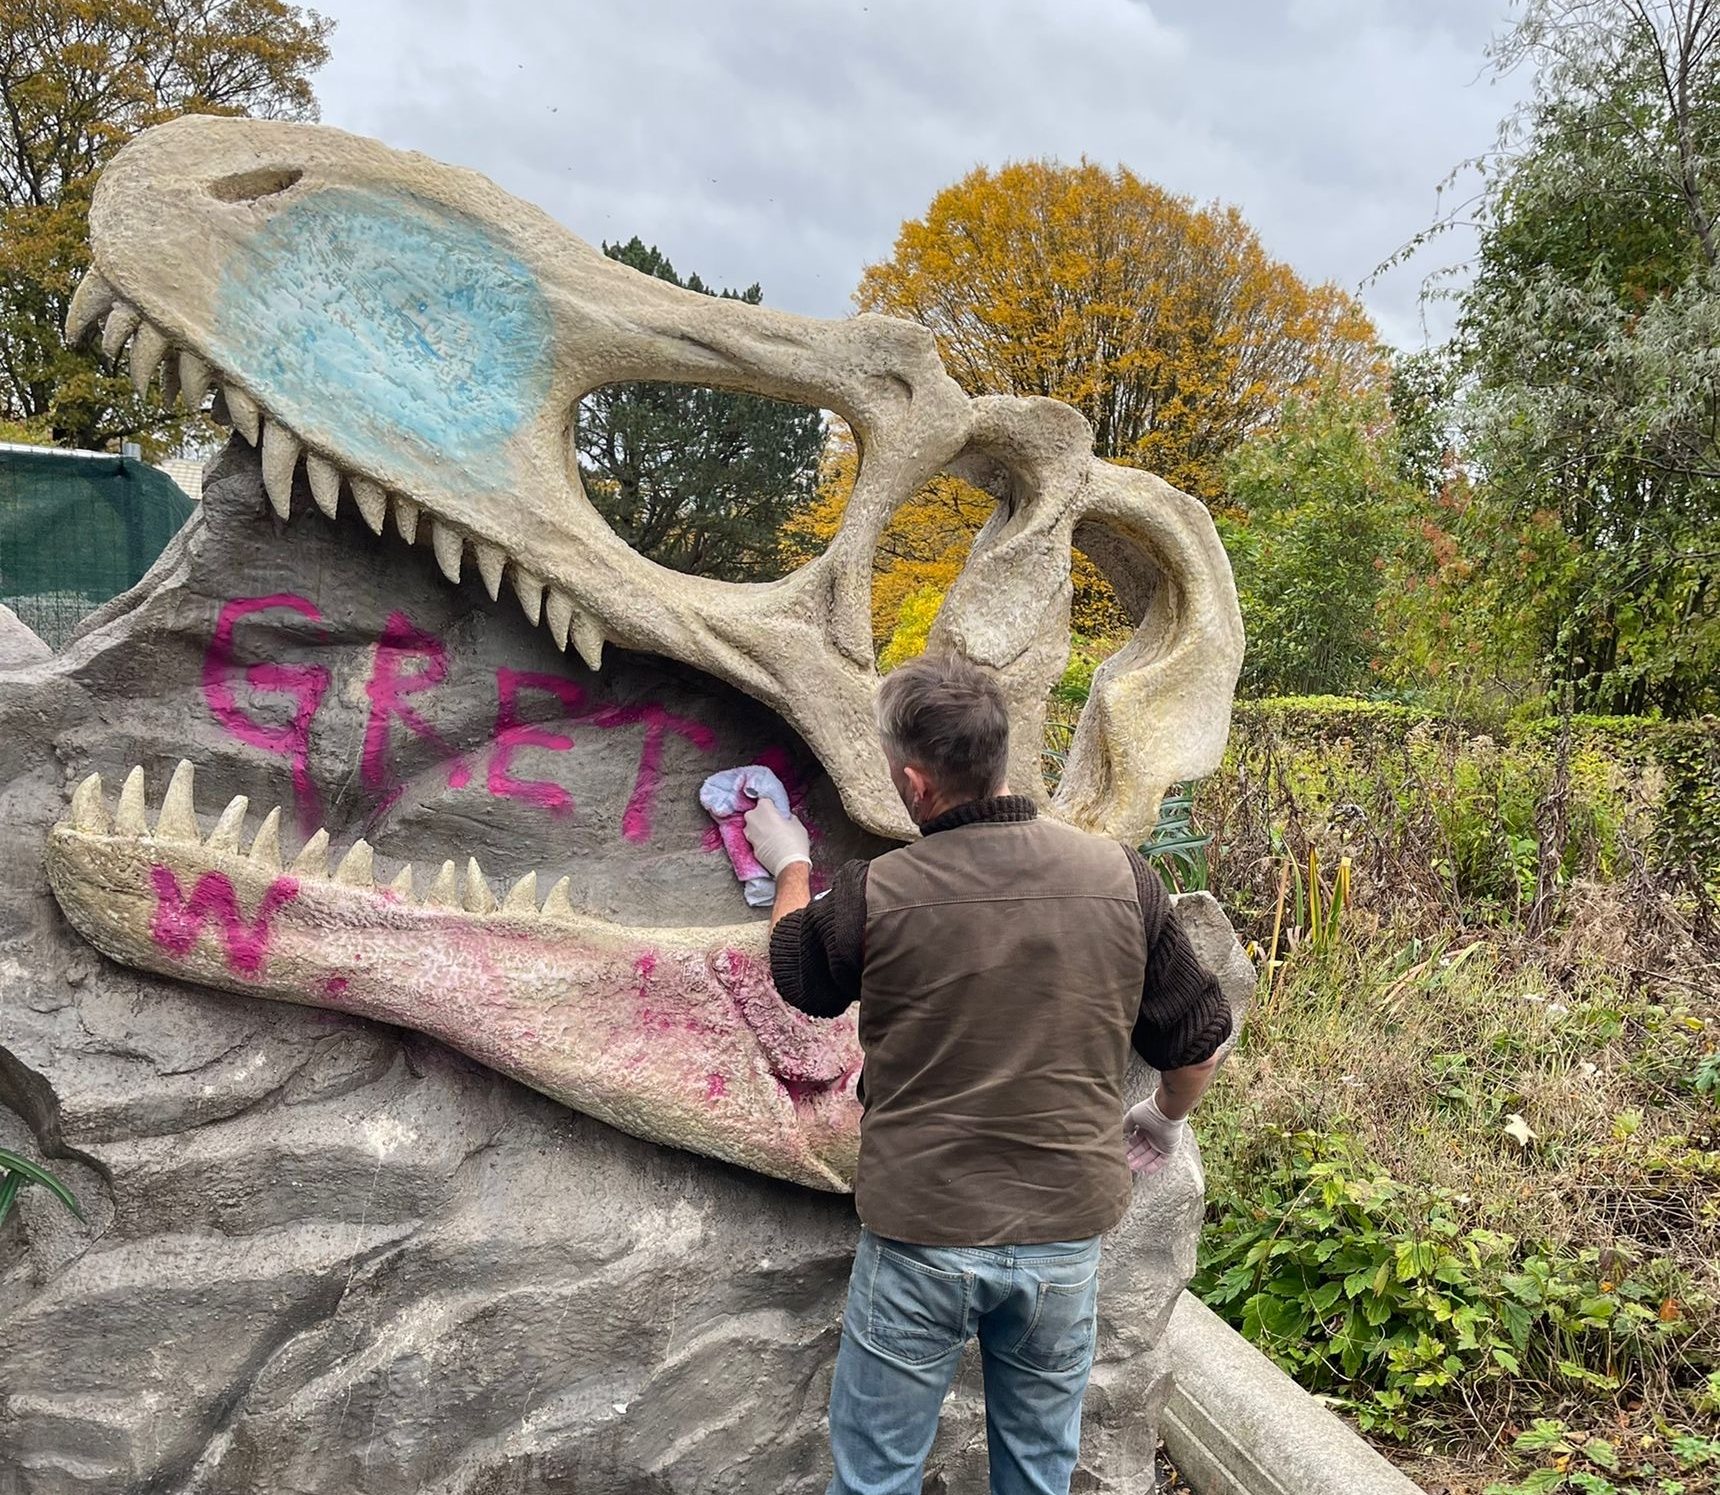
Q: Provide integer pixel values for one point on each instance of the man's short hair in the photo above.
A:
(948, 718)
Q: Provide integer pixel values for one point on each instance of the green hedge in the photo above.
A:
(1501, 768)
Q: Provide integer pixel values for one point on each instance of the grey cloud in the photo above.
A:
(784, 141)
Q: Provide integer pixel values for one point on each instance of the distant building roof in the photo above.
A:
(187, 472)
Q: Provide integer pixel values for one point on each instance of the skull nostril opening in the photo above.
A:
(261, 181)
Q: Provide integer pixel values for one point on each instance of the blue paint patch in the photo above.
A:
(412, 334)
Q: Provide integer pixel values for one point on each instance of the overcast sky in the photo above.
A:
(784, 141)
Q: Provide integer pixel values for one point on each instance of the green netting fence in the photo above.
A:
(77, 528)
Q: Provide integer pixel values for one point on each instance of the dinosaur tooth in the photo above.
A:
(491, 561)
(312, 860)
(401, 887)
(178, 818)
(356, 868)
(225, 836)
(529, 589)
(372, 501)
(445, 890)
(243, 409)
(148, 348)
(406, 518)
(557, 905)
(121, 323)
(280, 462)
(91, 302)
(479, 898)
(128, 819)
(559, 607)
(522, 896)
(89, 809)
(449, 545)
(195, 376)
(325, 482)
(266, 848)
(587, 638)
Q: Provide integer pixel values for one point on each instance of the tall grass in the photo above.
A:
(1463, 1168)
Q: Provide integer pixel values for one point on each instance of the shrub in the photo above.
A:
(1380, 1291)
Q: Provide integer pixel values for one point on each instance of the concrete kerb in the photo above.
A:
(1237, 1425)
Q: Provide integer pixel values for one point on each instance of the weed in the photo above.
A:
(16, 1171)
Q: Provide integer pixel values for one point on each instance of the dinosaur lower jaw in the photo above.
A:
(184, 373)
(675, 1035)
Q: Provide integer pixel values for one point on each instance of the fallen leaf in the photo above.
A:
(1519, 1130)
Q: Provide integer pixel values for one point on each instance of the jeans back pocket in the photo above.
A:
(1059, 1336)
(915, 1313)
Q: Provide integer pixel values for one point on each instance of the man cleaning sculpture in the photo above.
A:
(403, 624)
(1004, 964)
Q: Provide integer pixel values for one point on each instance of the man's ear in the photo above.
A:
(918, 783)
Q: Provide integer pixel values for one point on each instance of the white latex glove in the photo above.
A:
(1152, 1136)
(777, 840)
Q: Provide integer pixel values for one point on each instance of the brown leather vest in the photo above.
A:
(1001, 979)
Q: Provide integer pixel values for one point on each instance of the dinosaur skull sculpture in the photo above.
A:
(415, 338)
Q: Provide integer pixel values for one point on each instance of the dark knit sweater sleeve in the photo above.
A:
(815, 952)
(1184, 1015)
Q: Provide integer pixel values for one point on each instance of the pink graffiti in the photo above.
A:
(389, 684)
(511, 735)
(410, 661)
(306, 683)
(805, 1055)
(716, 1087)
(659, 722)
(178, 922)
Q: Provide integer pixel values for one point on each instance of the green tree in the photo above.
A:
(78, 78)
(700, 480)
(1319, 508)
(1588, 555)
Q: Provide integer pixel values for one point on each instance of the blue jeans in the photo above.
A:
(910, 1311)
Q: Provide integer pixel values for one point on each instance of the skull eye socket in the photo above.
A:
(260, 181)
(706, 481)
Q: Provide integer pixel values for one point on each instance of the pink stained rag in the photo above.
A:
(727, 796)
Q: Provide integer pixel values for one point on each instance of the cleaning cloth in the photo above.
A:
(727, 796)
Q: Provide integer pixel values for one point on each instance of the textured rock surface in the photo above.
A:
(328, 1255)
(19, 644)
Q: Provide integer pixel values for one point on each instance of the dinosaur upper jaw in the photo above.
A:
(411, 332)
(420, 340)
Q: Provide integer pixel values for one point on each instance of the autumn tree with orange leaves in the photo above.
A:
(1166, 324)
